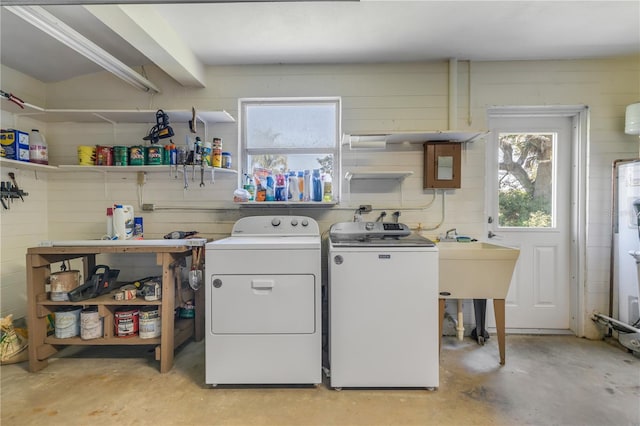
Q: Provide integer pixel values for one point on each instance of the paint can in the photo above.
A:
(149, 322)
(86, 155)
(216, 153)
(136, 156)
(152, 291)
(67, 322)
(90, 323)
(120, 155)
(153, 155)
(62, 283)
(104, 156)
(126, 322)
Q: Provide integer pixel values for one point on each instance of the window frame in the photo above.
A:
(244, 152)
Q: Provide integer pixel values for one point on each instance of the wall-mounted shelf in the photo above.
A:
(287, 204)
(419, 137)
(23, 165)
(127, 169)
(349, 176)
(113, 115)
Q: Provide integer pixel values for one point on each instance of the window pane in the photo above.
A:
(292, 162)
(525, 180)
(291, 126)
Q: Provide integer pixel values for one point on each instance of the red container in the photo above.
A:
(104, 156)
(126, 322)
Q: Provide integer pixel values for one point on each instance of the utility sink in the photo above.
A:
(476, 270)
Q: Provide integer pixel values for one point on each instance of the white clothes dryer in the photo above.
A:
(263, 303)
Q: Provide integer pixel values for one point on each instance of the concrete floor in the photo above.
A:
(559, 380)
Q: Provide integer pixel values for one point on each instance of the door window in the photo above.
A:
(526, 179)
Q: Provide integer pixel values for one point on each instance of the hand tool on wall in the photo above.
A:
(192, 122)
(15, 186)
(12, 98)
(3, 195)
(161, 130)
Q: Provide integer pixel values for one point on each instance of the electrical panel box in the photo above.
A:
(442, 163)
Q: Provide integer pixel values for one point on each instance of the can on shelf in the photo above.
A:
(86, 155)
(136, 155)
(104, 156)
(120, 156)
(126, 322)
(226, 160)
(153, 155)
(216, 153)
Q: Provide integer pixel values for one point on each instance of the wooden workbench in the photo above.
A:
(173, 331)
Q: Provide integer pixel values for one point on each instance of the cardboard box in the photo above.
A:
(14, 145)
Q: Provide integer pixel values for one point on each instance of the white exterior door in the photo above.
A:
(529, 195)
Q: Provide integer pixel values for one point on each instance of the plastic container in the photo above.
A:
(110, 222)
(294, 188)
(328, 190)
(226, 160)
(301, 185)
(38, 150)
(123, 222)
(317, 186)
(307, 186)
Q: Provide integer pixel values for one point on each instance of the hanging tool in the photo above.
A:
(12, 98)
(192, 122)
(3, 191)
(395, 215)
(161, 130)
(15, 186)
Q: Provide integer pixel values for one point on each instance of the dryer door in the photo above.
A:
(262, 304)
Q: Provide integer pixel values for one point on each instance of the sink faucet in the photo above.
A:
(447, 235)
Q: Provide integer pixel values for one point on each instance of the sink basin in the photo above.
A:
(476, 270)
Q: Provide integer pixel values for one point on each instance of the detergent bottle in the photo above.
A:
(123, 222)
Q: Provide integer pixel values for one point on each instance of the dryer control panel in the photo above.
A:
(276, 226)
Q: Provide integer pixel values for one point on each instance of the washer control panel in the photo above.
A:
(358, 231)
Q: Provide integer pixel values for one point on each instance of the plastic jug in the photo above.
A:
(37, 148)
(123, 222)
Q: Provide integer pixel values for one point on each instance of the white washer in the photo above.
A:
(263, 303)
(383, 307)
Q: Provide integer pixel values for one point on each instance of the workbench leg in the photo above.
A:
(36, 277)
(441, 307)
(498, 308)
(167, 316)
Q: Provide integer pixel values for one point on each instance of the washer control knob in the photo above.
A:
(305, 222)
(294, 222)
(275, 221)
(338, 260)
(369, 226)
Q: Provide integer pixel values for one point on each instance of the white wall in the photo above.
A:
(376, 97)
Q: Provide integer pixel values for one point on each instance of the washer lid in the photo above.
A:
(264, 243)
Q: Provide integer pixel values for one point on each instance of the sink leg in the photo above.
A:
(460, 326)
(440, 321)
(498, 307)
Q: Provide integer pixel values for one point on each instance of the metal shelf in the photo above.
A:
(349, 176)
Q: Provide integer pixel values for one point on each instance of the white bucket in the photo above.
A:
(123, 222)
(67, 323)
(62, 283)
(149, 322)
(90, 324)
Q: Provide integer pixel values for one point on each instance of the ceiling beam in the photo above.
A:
(146, 30)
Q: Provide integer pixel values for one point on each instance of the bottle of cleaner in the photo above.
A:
(123, 222)
(300, 185)
(271, 194)
(307, 186)
(328, 190)
(294, 187)
(110, 222)
(317, 186)
(281, 189)
(38, 151)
